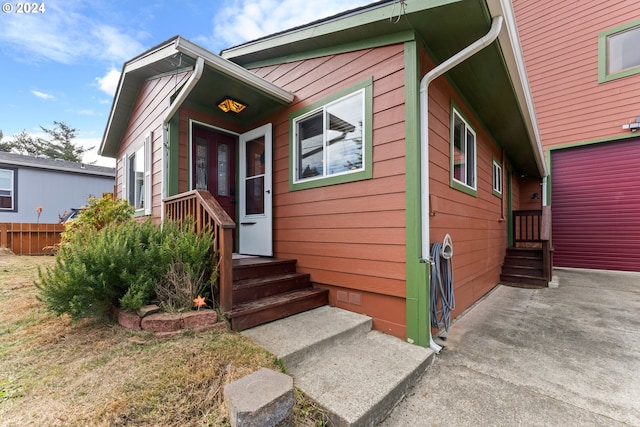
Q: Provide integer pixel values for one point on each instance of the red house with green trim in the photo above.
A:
(349, 145)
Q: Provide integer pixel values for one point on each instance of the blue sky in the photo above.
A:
(63, 63)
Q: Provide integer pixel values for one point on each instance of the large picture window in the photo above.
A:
(331, 141)
(7, 190)
(137, 178)
(463, 153)
(619, 55)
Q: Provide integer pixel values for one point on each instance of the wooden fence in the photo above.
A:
(30, 239)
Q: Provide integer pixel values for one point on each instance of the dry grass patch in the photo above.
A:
(94, 372)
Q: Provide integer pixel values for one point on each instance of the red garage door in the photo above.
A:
(595, 200)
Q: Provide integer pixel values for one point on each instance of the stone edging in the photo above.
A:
(163, 325)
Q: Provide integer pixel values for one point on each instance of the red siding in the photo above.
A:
(146, 116)
(596, 208)
(560, 44)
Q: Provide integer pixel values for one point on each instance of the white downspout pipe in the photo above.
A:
(456, 59)
(173, 108)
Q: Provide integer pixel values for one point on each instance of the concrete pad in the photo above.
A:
(564, 356)
(261, 399)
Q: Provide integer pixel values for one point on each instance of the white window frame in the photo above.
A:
(498, 178)
(605, 72)
(325, 148)
(469, 184)
(11, 189)
(145, 148)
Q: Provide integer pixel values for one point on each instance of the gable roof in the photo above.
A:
(220, 77)
(57, 165)
(493, 82)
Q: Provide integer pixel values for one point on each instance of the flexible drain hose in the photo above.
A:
(441, 288)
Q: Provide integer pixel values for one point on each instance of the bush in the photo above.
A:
(121, 265)
(98, 214)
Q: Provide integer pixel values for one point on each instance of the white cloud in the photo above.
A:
(109, 82)
(243, 20)
(64, 34)
(42, 95)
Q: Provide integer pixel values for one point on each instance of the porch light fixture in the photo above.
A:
(633, 126)
(230, 105)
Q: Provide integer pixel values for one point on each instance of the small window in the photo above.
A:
(7, 190)
(137, 178)
(497, 178)
(331, 140)
(619, 55)
(463, 154)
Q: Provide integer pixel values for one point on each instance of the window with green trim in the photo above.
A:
(331, 140)
(619, 55)
(497, 178)
(463, 153)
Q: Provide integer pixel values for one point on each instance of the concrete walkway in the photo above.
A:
(568, 356)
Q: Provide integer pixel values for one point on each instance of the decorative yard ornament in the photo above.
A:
(199, 302)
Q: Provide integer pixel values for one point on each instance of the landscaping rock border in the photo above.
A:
(163, 325)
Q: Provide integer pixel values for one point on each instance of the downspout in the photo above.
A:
(173, 108)
(467, 52)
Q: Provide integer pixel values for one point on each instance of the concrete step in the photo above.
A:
(357, 375)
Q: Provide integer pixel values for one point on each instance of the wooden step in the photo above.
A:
(264, 310)
(260, 287)
(524, 270)
(521, 280)
(247, 268)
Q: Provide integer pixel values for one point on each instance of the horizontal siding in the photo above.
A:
(146, 116)
(476, 224)
(349, 237)
(560, 46)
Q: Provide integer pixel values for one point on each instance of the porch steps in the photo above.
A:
(266, 289)
(355, 374)
(523, 267)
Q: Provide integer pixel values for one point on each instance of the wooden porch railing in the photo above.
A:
(534, 227)
(207, 212)
(29, 238)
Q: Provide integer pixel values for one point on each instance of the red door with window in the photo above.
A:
(214, 159)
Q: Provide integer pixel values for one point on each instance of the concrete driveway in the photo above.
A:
(566, 356)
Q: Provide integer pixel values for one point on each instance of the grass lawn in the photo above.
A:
(94, 372)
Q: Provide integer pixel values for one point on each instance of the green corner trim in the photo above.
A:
(367, 172)
(417, 272)
(602, 53)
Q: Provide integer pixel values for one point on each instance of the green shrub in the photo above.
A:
(98, 214)
(121, 265)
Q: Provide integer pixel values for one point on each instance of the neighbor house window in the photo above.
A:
(137, 178)
(497, 178)
(7, 190)
(463, 154)
(619, 55)
(331, 140)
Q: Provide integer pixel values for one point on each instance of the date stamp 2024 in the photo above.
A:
(24, 8)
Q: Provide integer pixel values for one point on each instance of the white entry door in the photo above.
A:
(256, 219)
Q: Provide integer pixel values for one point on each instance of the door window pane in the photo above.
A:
(255, 157)
(202, 160)
(255, 195)
(223, 169)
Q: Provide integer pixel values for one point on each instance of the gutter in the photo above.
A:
(469, 51)
(173, 108)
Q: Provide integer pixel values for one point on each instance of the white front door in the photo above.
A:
(256, 218)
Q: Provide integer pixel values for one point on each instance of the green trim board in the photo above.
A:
(603, 76)
(367, 172)
(453, 183)
(417, 272)
(549, 150)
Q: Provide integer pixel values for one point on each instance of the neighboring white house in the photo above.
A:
(57, 186)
